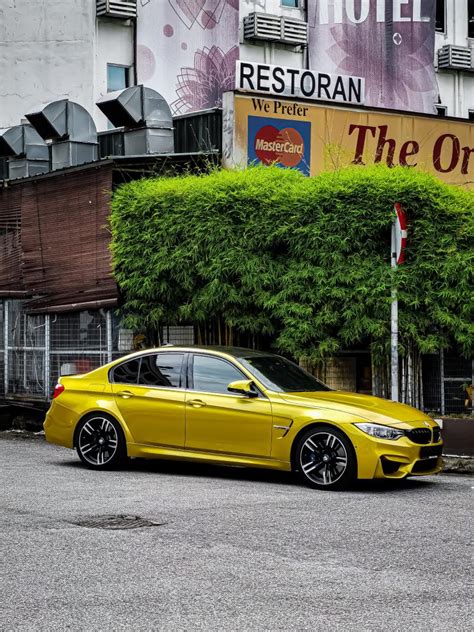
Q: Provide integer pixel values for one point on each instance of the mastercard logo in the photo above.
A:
(285, 146)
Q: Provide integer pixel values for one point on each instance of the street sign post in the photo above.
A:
(399, 239)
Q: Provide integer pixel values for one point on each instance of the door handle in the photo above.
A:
(196, 403)
(125, 394)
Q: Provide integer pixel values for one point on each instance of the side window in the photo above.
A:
(161, 369)
(213, 375)
(127, 373)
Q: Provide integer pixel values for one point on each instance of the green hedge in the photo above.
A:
(306, 260)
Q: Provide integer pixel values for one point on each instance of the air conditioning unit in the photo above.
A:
(295, 32)
(124, 9)
(456, 58)
(273, 28)
(262, 26)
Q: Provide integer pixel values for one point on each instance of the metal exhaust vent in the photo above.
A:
(27, 153)
(70, 129)
(456, 58)
(146, 117)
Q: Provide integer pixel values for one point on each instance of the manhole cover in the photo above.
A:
(117, 522)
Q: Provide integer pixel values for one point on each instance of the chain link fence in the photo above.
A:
(35, 349)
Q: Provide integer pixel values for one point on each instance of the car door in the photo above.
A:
(149, 392)
(220, 421)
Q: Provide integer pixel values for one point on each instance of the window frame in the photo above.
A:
(298, 5)
(190, 376)
(182, 375)
(470, 17)
(441, 110)
(111, 373)
(127, 75)
(443, 30)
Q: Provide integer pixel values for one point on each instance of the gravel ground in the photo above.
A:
(229, 549)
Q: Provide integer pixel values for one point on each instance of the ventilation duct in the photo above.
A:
(146, 118)
(27, 153)
(70, 129)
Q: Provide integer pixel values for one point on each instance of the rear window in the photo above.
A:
(161, 369)
(127, 373)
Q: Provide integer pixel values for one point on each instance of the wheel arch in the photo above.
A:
(94, 413)
(309, 426)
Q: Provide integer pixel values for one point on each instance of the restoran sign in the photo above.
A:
(299, 83)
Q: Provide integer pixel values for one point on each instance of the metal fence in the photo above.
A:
(36, 349)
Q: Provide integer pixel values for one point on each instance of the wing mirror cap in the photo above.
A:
(243, 387)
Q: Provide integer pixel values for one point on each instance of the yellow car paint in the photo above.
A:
(232, 428)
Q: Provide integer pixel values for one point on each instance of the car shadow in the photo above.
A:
(256, 475)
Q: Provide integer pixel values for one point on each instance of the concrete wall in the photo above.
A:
(51, 49)
(46, 53)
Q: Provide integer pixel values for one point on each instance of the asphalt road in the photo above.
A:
(233, 549)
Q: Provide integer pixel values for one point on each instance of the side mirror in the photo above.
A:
(243, 387)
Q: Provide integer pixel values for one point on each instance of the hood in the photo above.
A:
(365, 407)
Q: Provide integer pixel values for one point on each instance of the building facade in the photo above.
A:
(415, 55)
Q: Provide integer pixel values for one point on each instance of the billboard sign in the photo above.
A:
(279, 141)
(271, 130)
(388, 42)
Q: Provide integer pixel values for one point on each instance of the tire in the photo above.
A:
(100, 442)
(325, 459)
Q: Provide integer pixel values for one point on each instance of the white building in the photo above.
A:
(80, 49)
(51, 50)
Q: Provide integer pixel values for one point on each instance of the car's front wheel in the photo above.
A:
(325, 459)
(100, 443)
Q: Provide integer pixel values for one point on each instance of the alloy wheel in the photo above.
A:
(323, 458)
(97, 441)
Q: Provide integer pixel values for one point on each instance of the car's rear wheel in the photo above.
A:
(100, 443)
(325, 458)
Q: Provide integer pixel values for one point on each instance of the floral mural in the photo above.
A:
(187, 50)
(201, 86)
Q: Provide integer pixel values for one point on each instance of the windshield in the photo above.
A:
(281, 375)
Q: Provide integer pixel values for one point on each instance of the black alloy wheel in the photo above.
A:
(100, 443)
(325, 458)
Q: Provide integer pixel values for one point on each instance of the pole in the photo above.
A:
(394, 324)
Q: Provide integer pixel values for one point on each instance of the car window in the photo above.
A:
(161, 369)
(281, 375)
(213, 375)
(127, 373)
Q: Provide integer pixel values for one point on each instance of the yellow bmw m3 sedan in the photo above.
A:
(238, 407)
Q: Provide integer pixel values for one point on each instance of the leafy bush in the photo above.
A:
(306, 260)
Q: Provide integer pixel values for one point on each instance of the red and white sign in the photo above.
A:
(400, 230)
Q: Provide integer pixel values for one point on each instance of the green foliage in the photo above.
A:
(306, 260)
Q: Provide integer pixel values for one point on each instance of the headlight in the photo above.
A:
(381, 432)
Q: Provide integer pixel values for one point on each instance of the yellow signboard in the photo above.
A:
(315, 138)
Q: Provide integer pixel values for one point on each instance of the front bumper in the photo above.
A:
(377, 458)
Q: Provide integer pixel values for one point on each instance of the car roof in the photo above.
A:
(236, 352)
